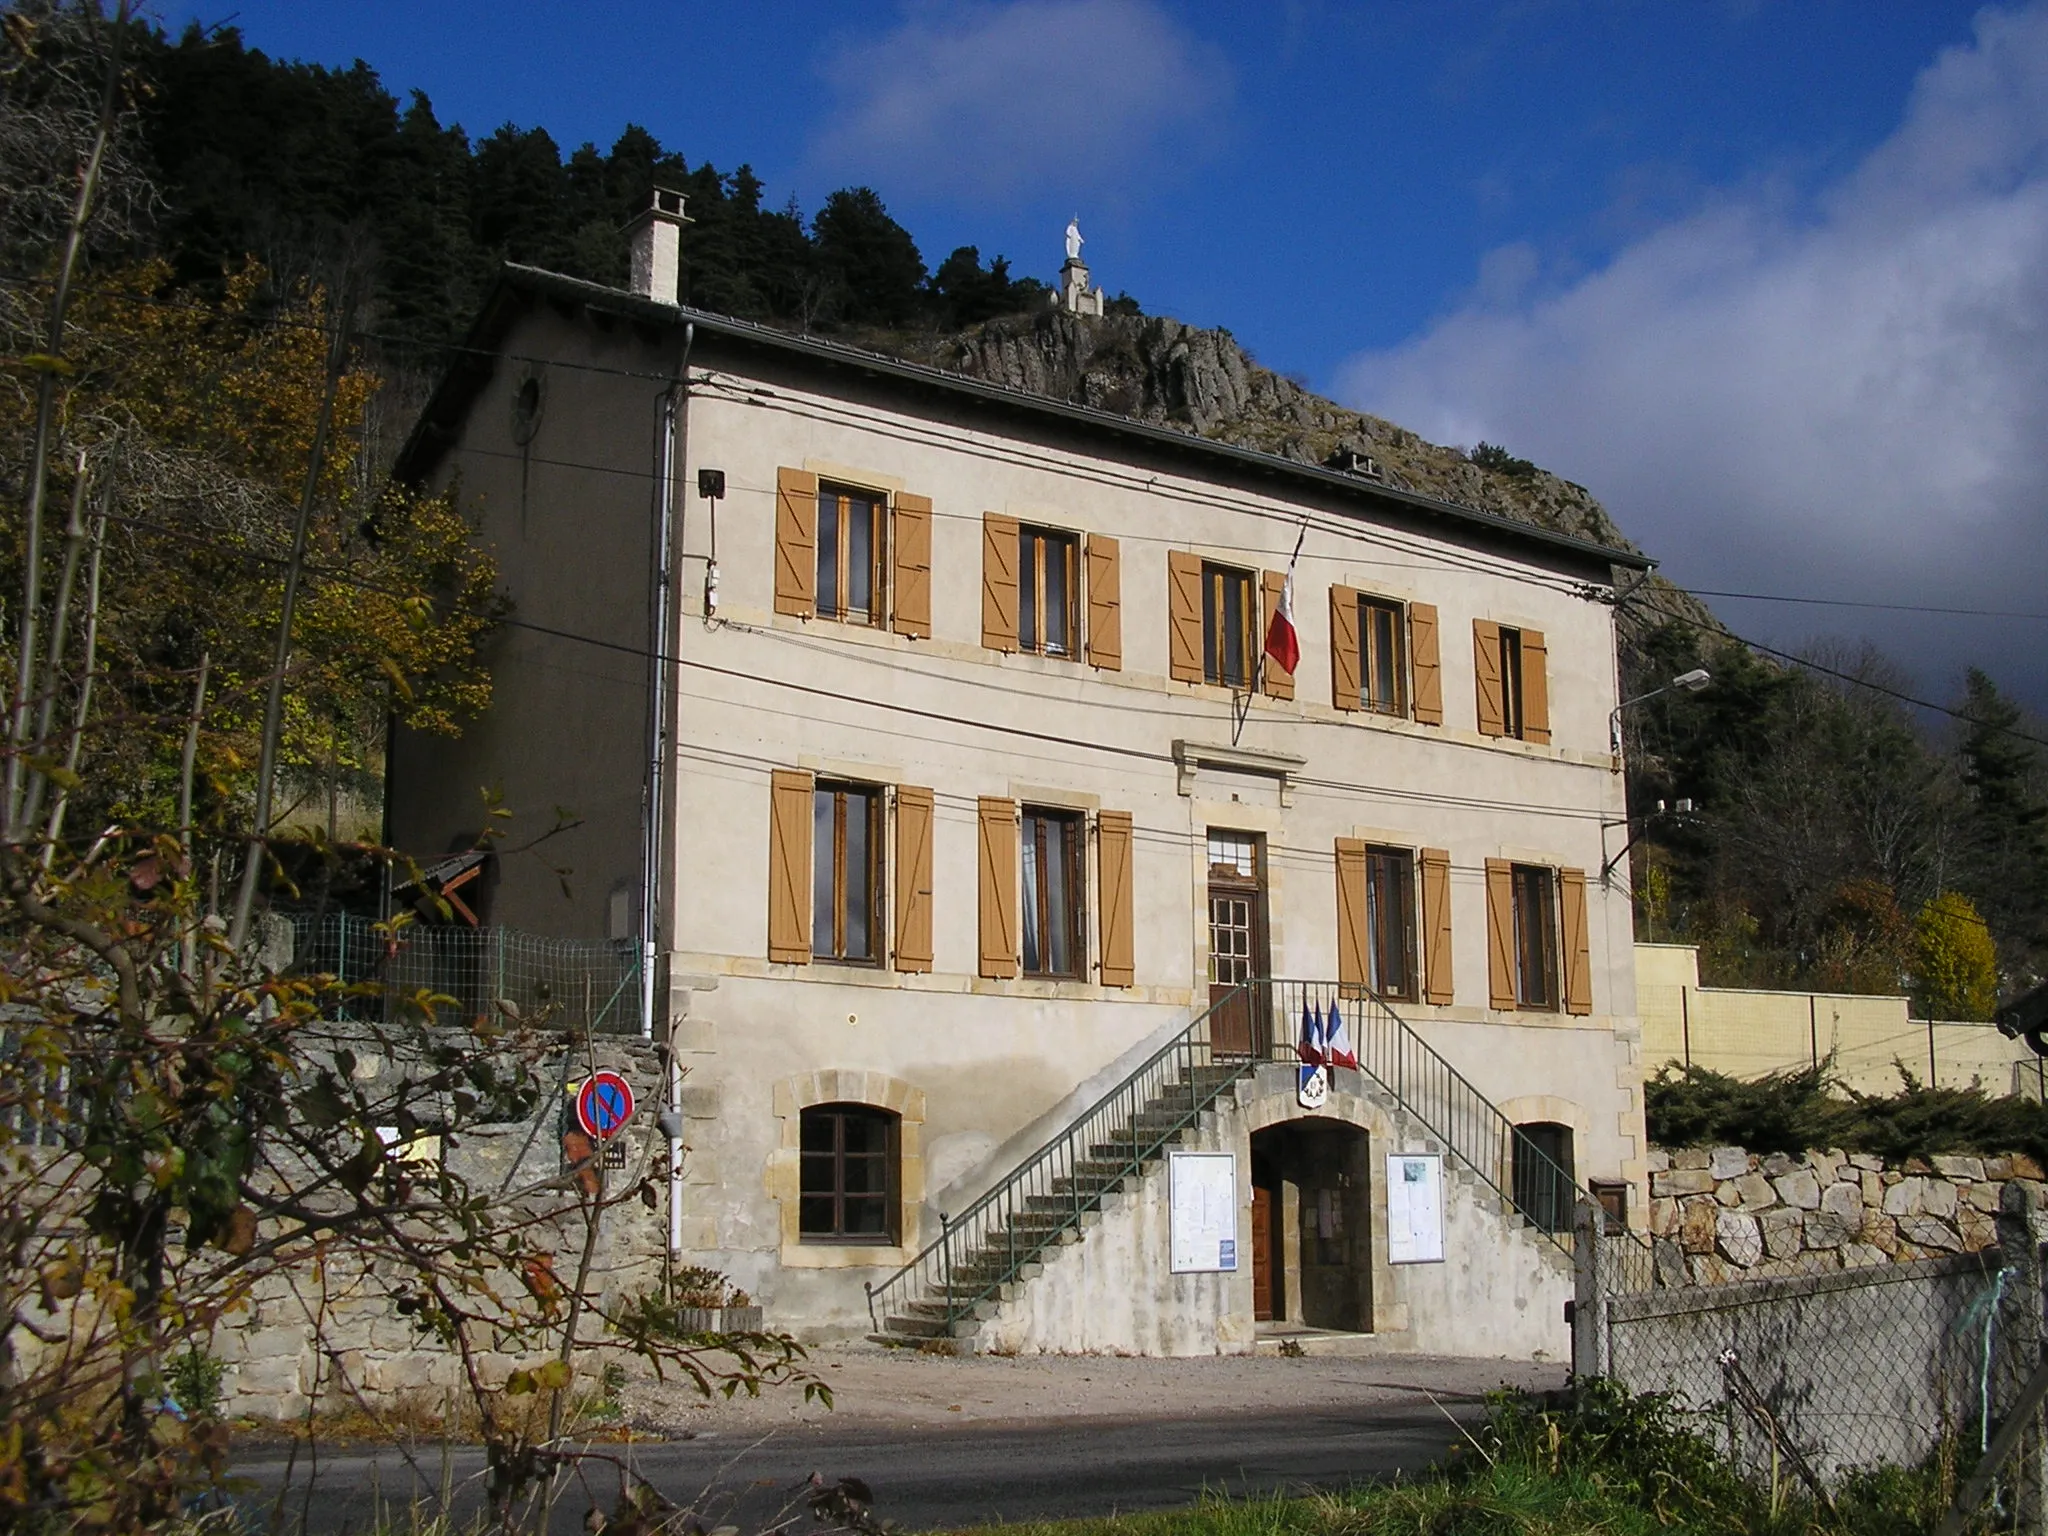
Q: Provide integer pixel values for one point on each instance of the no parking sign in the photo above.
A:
(603, 1105)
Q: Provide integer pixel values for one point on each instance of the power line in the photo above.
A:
(1849, 602)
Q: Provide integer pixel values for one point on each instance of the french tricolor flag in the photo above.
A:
(1310, 1047)
(1282, 643)
(1337, 1050)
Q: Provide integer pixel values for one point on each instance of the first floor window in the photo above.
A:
(1383, 653)
(1053, 883)
(1536, 964)
(848, 1180)
(1543, 1174)
(1045, 592)
(850, 541)
(1390, 922)
(846, 842)
(1228, 617)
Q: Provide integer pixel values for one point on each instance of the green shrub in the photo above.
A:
(658, 1312)
(194, 1379)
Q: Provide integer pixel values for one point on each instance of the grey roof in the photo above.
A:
(450, 402)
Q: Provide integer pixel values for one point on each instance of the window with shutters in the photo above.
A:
(1047, 615)
(1511, 716)
(1536, 937)
(851, 534)
(1390, 922)
(1383, 654)
(1054, 916)
(846, 872)
(848, 1176)
(1230, 645)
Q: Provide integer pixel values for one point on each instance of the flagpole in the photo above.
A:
(1239, 714)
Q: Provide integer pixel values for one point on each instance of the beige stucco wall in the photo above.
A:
(1747, 1033)
(995, 1065)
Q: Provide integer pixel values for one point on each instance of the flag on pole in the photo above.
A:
(1310, 1046)
(1337, 1050)
(1282, 643)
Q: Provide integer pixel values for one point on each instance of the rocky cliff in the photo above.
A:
(1161, 371)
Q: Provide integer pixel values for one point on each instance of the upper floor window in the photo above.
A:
(1511, 681)
(1229, 622)
(846, 871)
(848, 1178)
(1536, 940)
(851, 537)
(1511, 717)
(1054, 920)
(1390, 922)
(1047, 622)
(1383, 653)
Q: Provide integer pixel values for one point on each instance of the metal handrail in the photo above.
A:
(1046, 1195)
(983, 1248)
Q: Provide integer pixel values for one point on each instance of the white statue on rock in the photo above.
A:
(1075, 295)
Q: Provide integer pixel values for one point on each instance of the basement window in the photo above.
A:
(849, 1177)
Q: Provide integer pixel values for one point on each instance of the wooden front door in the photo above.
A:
(1265, 1253)
(1237, 938)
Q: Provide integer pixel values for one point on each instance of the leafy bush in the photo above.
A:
(1956, 974)
(194, 1379)
(1496, 458)
(658, 1312)
(1795, 1111)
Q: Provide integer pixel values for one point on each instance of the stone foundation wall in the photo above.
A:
(1723, 1214)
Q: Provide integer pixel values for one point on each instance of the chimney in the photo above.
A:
(657, 240)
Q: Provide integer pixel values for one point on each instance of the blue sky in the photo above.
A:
(1769, 276)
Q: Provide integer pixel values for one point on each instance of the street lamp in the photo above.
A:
(1685, 682)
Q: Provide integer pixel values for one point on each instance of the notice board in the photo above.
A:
(1415, 1208)
(1201, 1215)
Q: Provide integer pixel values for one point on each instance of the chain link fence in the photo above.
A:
(570, 984)
(1818, 1370)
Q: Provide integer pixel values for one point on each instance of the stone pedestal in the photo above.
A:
(1076, 297)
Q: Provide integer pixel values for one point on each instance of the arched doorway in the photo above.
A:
(1312, 1224)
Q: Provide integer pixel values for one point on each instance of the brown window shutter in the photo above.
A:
(1500, 933)
(1105, 604)
(1486, 674)
(999, 582)
(911, 574)
(998, 838)
(1578, 942)
(1113, 876)
(1343, 648)
(1279, 681)
(1352, 971)
(913, 878)
(1436, 927)
(1427, 664)
(1183, 616)
(796, 542)
(1535, 687)
(789, 867)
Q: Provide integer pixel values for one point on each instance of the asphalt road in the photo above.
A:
(927, 1479)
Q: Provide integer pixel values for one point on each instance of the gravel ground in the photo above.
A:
(886, 1388)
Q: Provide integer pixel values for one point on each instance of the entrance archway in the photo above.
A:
(1312, 1224)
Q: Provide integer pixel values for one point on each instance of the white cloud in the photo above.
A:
(1846, 398)
(989, 102)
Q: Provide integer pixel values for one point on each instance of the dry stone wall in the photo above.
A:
(1722, 1214)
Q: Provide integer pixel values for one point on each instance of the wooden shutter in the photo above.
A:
(1105, 604)
(1578, 945)
(1486, 675)
(1279, 681)
(1500, 933)
(1344, 662)
(913, 878)
(1113, 877)
(1426, 663)
(911, 574)
(1535, 687)
(998, 582)
(1437, 986)
(796, 542)
(789, 867)
(998, 838)
(1183, 616)
(1353, 969)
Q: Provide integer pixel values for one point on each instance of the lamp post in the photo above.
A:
(1685, 682)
